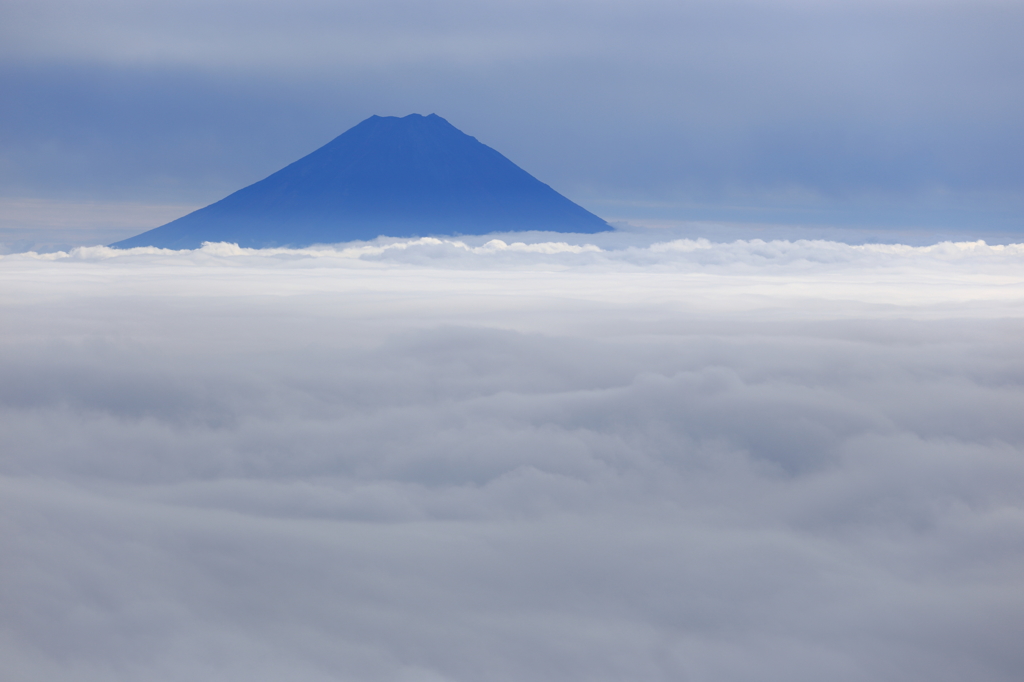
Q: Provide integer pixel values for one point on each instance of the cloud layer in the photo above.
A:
(446, 460)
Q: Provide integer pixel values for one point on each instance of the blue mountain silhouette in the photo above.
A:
(399, 177)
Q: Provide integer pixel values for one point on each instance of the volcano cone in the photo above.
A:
(398, 177)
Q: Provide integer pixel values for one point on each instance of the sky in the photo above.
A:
(428, 460)
(897, 114)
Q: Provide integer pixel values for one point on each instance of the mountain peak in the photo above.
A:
(387, 176)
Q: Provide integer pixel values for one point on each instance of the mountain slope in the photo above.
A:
(400, 177)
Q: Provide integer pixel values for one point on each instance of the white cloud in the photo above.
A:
(445, 459)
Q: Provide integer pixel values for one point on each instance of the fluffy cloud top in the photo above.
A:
(459, 460)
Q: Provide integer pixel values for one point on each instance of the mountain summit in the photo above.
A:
(398, 177)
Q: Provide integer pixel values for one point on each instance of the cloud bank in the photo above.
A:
(464, 460)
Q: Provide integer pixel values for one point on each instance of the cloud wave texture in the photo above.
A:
(447, 460)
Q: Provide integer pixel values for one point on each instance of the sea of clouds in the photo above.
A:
(446, 459)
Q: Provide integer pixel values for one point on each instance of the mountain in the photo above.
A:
(399, 177)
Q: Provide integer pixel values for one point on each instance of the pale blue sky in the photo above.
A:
(863, 113)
